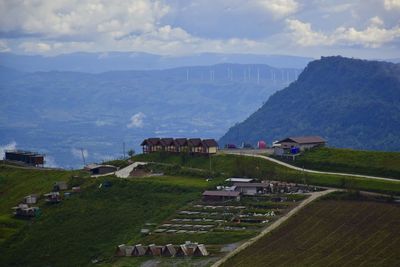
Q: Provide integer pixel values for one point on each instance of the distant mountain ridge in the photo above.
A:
(352, 103)
(116, 61)
(57, 112)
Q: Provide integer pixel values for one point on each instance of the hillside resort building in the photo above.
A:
(191, 145)
(294, 145)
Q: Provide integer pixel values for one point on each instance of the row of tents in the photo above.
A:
(187, 249)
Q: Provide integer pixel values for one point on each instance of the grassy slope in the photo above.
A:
(233, 165)
(15, 184)
(331, 232)
(88, 225)
(385, 164)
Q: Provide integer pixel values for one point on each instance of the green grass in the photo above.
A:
(331, 232)
(242, 166)
(376, 163)
(88, 225)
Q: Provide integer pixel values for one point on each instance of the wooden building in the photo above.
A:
(220, 195)
(200, 250)
(167, 144)
(31, 199)
(192, 145)
(301, 142)
(96, 169)
(252, 188)
(181, 145)
(23, 210)
(154, 250)
(52, 197)
(195, 145)
(139, 250)
(27, 157)
(210, 146)
(168, 251)
(151, 145)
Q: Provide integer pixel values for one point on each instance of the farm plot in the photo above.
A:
(250, 214)
(331, 232)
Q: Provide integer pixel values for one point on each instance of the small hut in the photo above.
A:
(139, 250)
(168, 251)
(200, 250)
(120, 250)
(52, 197)
(23, 210)
(31, 199)
(59, 186)
(154, 250)
(182, 251)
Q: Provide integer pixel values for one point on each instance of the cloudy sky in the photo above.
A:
(358, 28)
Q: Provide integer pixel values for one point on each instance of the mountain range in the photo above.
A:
(115, 61)
(352, 103)
(61, 112)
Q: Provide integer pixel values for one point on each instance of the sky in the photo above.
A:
(358, 28)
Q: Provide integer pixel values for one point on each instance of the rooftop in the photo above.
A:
(221, 193)
(304, 140)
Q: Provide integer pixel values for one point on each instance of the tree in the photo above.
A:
(131, 152)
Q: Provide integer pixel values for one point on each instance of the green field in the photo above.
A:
(242, 166)
(331, 232)
(90, 224)
(376, 163)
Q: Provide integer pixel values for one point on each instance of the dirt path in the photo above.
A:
(273, 226)
(320, 172)
(124, 173)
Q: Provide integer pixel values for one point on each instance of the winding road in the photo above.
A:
(313, 171)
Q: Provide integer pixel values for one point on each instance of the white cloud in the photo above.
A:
(136, 120)
(77, 153)
(50, 162)
(373, 36)
(304, 35)
(80, 17)
(4, 46)
(391, 4)
(35, 47)
(377, 21)
(279, 8)
(9, 146)
(101, 123)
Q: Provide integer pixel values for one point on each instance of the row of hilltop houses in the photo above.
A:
(191, 145)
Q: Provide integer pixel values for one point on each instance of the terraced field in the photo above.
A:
(331, 232)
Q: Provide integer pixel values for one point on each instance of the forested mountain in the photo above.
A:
(352, 103)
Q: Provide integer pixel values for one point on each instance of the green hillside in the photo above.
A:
(242, 166)
(384, 164)
(331, 232)
(352, 103)
(88, 225)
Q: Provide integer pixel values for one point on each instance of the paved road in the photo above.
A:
(273, 226)
(320, 172)
(124, 173)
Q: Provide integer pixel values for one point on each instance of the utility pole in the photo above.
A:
(209, 156)
(123, 148)
(83, 157)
